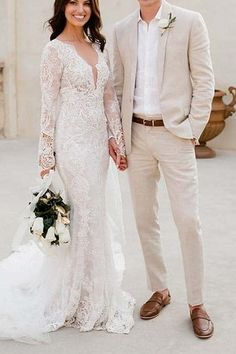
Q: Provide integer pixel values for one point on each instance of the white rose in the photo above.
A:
(65, 236)
(37, 227)
(60, 227)
(163, 23)
(48, 195)
(51, 234)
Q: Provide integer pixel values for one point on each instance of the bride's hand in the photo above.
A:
(45, 172)
(114, 151)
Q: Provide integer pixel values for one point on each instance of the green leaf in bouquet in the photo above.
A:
(43, 206)
(48, 221)
(44, 212)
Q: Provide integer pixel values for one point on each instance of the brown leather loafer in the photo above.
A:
(202, 325)
(153, 306)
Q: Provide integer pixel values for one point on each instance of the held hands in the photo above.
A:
(114, 151)
(45, 172)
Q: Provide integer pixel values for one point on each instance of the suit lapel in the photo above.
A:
(166, 10)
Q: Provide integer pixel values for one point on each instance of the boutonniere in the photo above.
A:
(166, 24)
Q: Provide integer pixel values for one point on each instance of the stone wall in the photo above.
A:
(21, 46)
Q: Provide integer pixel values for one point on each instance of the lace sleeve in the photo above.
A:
(112, 111)
(50, 77)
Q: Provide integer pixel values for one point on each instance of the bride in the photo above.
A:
(78, 286)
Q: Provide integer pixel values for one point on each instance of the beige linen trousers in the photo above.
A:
(186, 86)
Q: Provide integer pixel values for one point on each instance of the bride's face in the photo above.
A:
(78, 12)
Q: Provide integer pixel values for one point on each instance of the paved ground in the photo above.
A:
(170, 333)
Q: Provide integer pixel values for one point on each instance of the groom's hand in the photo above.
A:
(123, 163)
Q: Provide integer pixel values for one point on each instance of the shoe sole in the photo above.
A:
(154, 316)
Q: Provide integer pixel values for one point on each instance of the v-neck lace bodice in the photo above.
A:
(92, 66)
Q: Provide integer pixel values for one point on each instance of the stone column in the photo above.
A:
(2, 115)
(10, 129)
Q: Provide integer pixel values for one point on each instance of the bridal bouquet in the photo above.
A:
(46, 218)
(50, 219)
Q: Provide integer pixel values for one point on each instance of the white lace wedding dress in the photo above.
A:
(78, 286)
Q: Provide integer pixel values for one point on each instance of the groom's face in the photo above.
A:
(149, 3)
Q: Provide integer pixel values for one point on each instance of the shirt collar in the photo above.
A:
(157, 17)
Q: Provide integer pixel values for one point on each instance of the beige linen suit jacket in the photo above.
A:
(186, 80)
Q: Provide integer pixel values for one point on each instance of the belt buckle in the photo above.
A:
(153, 122)
(144, 121)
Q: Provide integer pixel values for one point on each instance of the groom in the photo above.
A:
(164, 82)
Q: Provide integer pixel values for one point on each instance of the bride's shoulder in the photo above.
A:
(51, 44)
(52, 48)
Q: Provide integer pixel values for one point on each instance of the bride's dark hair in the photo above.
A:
(91, 28)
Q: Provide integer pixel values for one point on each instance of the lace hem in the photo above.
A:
(114, 319)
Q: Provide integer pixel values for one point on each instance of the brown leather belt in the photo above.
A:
(149, 122)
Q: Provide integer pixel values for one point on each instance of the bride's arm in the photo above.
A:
(50, 77)
(112, 111)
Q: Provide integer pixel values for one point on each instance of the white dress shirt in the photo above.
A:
(146, 94)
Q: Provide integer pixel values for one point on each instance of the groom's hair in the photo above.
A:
(92, 28)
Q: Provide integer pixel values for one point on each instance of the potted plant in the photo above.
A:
(220, 111)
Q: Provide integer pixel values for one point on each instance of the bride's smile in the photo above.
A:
(78, 12)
